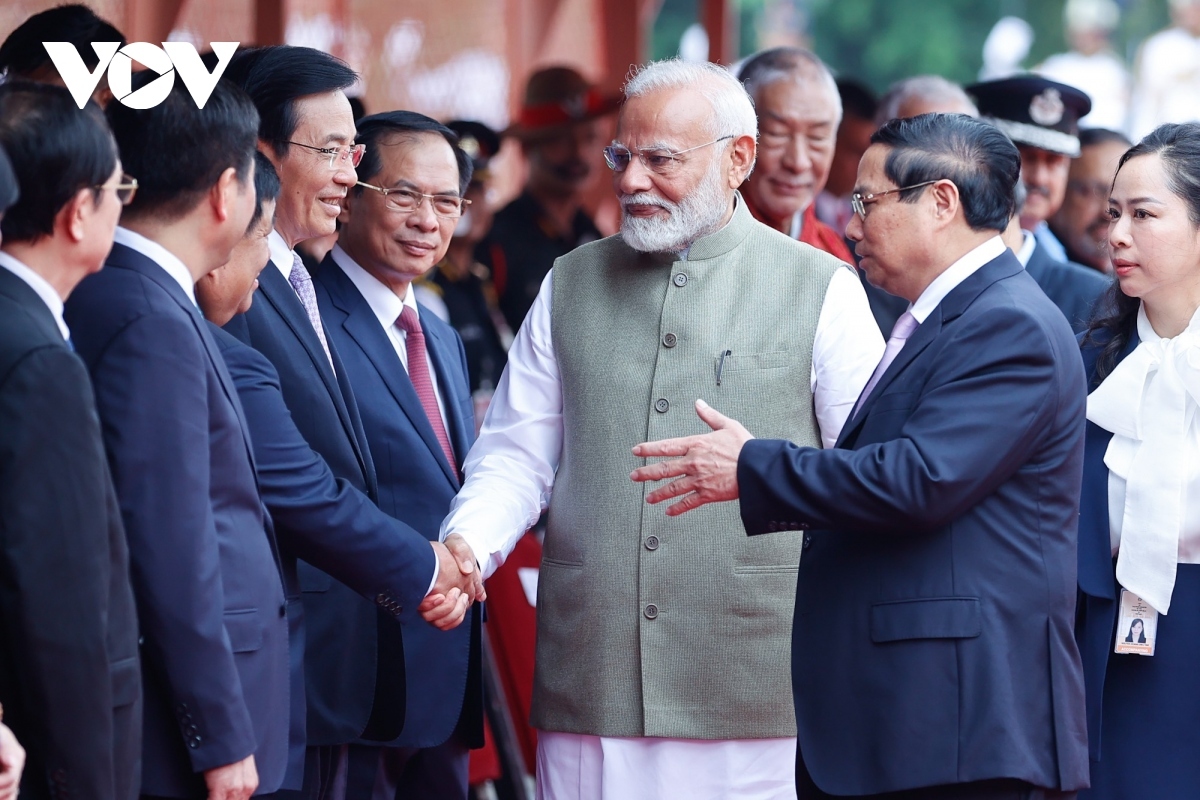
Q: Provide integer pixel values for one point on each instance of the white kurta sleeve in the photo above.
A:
(846, 350)
(510, 468)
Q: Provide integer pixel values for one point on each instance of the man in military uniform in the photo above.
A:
(560, 135)
(1042, 118)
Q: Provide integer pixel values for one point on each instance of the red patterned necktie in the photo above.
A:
(418, 373)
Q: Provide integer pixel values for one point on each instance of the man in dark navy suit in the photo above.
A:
(206, 571)
(410, 377)
(354, 652)
(933, 654)
(69, 675)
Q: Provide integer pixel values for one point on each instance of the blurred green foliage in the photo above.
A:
(881, 41)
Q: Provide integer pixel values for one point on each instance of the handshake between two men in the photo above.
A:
(459, 583)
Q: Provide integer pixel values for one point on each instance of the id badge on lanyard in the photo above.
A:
(1137, 626)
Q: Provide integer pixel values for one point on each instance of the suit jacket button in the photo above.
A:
(651, 611)
(807, 541)
(381, 598)
(670, 340)
(772, 526)
(651, 542)
(680, 279)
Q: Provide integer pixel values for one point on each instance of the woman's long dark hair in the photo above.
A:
(1178, 145)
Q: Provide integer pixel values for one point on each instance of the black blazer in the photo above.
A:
(933, 638)
(343, 659)
(1072, 287)
(69, 675)
(416, 485)
(205, 568)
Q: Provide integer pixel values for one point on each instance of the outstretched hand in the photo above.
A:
(705, 466)
(459, 584)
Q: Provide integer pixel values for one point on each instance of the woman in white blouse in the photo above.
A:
(1139, 531)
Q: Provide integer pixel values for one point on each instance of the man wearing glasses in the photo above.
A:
(933, 652)
(70, 682)
(409, 374)
(662, 645)
(354, 653)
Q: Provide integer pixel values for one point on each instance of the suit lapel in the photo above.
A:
(363, 326)
(127, 257)
(952, 306)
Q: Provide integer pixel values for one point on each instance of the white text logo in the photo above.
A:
(167, 60)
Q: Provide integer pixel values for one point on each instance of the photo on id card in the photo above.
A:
(1137, 626)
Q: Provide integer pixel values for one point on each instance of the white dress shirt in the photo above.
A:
(160, 255)
(956, 273)
(1028, 245)
(41, 287)
(281, 255)
(1149, 404)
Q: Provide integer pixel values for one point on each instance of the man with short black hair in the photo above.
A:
(69, 679)
(933, 649)
(409, 373)
(354, 651)
(207, 576)
(24, 56)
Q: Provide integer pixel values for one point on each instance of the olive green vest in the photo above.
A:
(656, 626)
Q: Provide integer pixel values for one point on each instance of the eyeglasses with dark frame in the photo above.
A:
(126, 188)
(407, 201)
(349, 153)
(859, 201)
(656, 159)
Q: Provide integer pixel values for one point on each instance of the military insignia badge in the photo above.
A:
(1046, 109)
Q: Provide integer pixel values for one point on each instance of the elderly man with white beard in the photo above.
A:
(662, 646)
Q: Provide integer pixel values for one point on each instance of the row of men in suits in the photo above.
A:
(228, 575)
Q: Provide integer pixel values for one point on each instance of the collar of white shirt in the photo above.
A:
(41, 286)
(161, 256)
(382, 300)
(281, 254)
(1027, 246)
(955, 274)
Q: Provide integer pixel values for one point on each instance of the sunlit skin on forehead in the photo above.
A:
(670, 119)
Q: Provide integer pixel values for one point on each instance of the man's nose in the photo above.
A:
(796, 155)
(633, 179)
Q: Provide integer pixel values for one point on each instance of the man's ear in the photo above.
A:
(742, 156)
(223, 193)
(74, 214)
(346, 202)
(946, 200)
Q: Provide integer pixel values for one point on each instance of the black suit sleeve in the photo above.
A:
(984, 408)
(323, 520)
(55, 570)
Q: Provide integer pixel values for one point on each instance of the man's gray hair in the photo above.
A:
(933, 88)
(733, 112)
(781, 63)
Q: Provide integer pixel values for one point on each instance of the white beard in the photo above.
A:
(696, 215)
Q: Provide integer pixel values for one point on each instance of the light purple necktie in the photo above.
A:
(900, 333)
(301, 281)
(418, 373)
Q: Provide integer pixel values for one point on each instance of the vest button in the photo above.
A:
(680, 279)
(651, 611)
(670, 340)
(661, 405)
(651, 542)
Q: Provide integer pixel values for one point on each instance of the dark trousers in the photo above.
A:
(1002, 789)
(407, 773)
